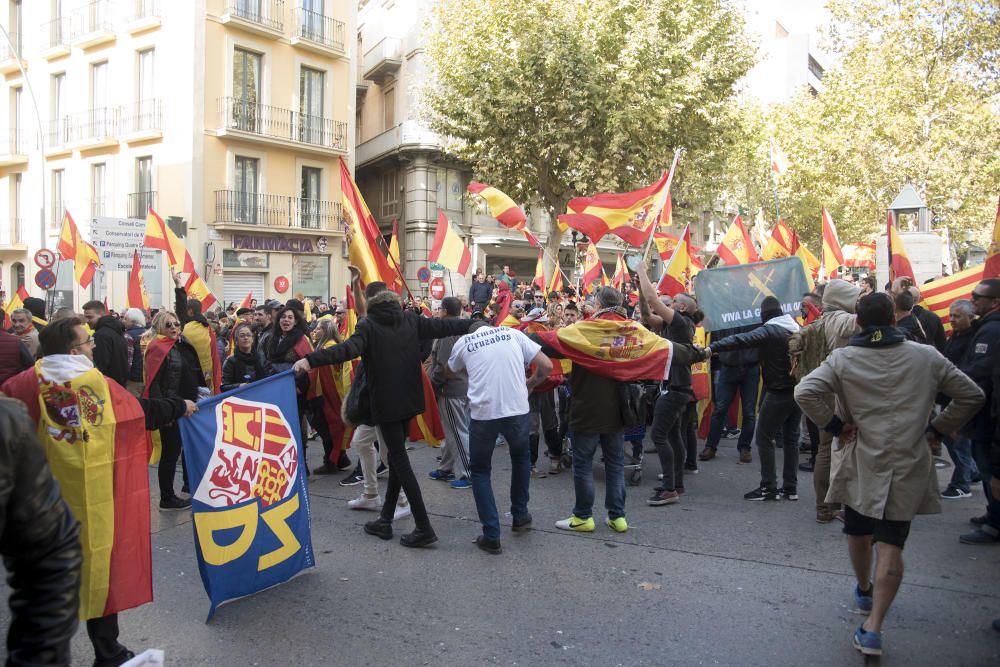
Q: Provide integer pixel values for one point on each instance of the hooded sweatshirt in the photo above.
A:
(839, 324)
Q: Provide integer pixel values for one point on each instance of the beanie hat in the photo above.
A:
(770, 308)
(36, 306)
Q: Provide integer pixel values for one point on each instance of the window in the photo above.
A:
(312, 19)
(246, 89)
(311, 84)
(57, 207)
(143, 197)
(16, 27)
(247, 170)
(16, 139)
(144, 76)
(310, 195)
(15, 200)
(59, 127)
(388, 108)
(97, 179)
(390, 193)
(358, 125)
(449, 190)
(100, 117)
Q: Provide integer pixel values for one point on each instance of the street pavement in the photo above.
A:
(713, 580)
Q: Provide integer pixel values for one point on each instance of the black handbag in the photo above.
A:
(357, 405)
(631, 404)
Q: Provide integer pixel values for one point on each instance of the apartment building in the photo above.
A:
(228, 117)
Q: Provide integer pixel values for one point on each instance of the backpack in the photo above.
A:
(807, 348)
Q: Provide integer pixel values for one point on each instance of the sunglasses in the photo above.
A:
(90, 339)
(975, 296)
(172, 325)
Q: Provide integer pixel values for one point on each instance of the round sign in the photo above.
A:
(281, 284)
(423, 274)
(45, 279)
(437, 289)
(45, 258)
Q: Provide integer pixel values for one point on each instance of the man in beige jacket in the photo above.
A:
(882, 469)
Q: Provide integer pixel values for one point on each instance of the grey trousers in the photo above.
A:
(455, 419)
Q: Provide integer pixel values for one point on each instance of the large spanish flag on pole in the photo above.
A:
(631, 216)
(833, 254)
(779, 243)
(362, 233)
(449, 250)
(502, 207)
(73, 248)
(899, 263)
(94, 436)
(736, 246)
(539, 279)
(137, 296)
(680, 269)
(160, 237)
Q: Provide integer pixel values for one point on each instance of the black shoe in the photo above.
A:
(380, 528)
(420, 537)
(353, 479)
(325, 469)
(344, 462)
(807, 467)
(185, 489)
(521, 523)
(690, 470)
(979, 520)
(382, 470)
(175, 503)
(761, 494)
(789, 493)
(119, 659)
(488, 545)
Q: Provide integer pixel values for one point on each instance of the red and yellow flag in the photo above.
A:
(556, 284)
(780, 243)
(502, 207)
(449, 250)
(427, 425)
(247, 300)
(779, 163)
(736, 246)
(937, 296)
(666, 220)
(362, 233)
(160, 237)
(16, 301)
(73, 248)
(613, 346)
(202, 338)
(992, 267)
(622, 276)
(592, 268)
(539, 280)
(331, 383)
(809, 260)
(899, 263)
(197, 289)
(680, 269)
(860, 255)
(631, 216)
(137, 297)
(833, 254)
(94, 436)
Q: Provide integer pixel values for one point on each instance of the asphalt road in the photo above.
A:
(713, 580)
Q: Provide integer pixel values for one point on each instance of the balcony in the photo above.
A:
(243, 119)
(55, 38)
(263, 17)
(58, 136)
(382, 60)
(93, 24)
(278, 212)
(316, 32)
(96, 128)
(406, 136)
(12, 234)
(8, 63)
(145, 16)
(142, 121)
(97, 208)
(139, 204)
(13, 149)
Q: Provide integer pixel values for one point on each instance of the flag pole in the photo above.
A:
(774, 183)
(666, 189)
(400, 273)
(451, 285)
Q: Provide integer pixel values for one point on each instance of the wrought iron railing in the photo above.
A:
(139, 204)
(15, 142)
(320, 28)
(275, 122)
(276, 211)
(95, 16)
(143, 116)
(56, 32)
(96, 124)
(268, 13)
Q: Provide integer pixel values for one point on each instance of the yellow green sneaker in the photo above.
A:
(619, 525)
(577, 524)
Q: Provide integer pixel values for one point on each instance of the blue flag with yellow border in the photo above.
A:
(245, 465)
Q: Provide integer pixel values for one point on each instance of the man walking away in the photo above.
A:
(882, 466)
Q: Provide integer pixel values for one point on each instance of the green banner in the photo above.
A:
(730, 296)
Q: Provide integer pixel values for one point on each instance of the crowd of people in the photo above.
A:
(496, 363)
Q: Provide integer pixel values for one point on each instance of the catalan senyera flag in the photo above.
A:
(779, 163)
(680, 269)
(16, 301)
(449, 250)
(137, 296)
(93, 432)
(860, 255)
(833, 254)
(992, 266)
(362, 233)
(247, 300)
(631, 216)
(591, 268)
(779, 243)
(635, 353)
(937, 296)
(539, 280)
(899, 262)
(736, 246)
(73, 248)
(502, 207)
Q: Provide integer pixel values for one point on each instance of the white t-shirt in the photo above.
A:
(495, 358)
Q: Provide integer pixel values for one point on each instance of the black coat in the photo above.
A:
(240, 368)
(933, 328)
(180, 374)
(40, 542)
(388, 341)
(771, 341)
(978, 365)
(111, 349)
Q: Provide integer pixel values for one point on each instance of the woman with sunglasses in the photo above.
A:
(172, 369)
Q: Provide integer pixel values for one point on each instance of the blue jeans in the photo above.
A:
(981, 452)
(960, 451)
(584, 448)
(729, 380)
(482, 440)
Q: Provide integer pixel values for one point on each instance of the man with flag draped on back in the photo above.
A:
(94, 435)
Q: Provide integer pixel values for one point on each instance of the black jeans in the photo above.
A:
(778, 412)
(689, 431)
(103, 633)
(170, 451)
(813, 439)
(401, 474)
(667, 415)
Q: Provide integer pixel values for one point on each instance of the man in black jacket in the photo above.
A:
(778, 411)
(739, 370)
(960, 313)
(110, 346)
(40, 542)
(388, 341)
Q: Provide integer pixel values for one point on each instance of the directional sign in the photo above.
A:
(45, 258)
(423, 274)
(45, 279)
(437, 288)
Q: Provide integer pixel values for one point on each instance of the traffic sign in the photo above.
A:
(423, 274)
(45, 258)
(437, 289)
(45, 279)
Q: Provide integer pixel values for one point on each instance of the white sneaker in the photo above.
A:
(363, 502)
(402, 511)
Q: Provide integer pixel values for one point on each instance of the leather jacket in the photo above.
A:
(180, 374)
(40, 543)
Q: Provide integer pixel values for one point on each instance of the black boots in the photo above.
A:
(420, 537)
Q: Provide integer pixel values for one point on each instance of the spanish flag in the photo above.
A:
(556, 284)
(680, 269)
(83, 255)
(592, 268)
(160, 237)
(501, 206)
(94, 436)
(622, 276)
(16, 301)
(612, 346)
(833, 254)
(809, 260)
(779, 244)
(779, 163)
(539, 280)
(701, 385)
(427, 425)
(666, 220)
(899, 263)
(449, 250)
(245, 303)
(736, 246)
(331, 383)
(137, 296)
(665, 244)
(350, 321)
(992, 267)
(860, 255)
(937, 296)
(202, 338)
(631, 216)
(197, 289)
(362, 233)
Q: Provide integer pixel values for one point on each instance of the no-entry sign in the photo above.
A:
(437, 289)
